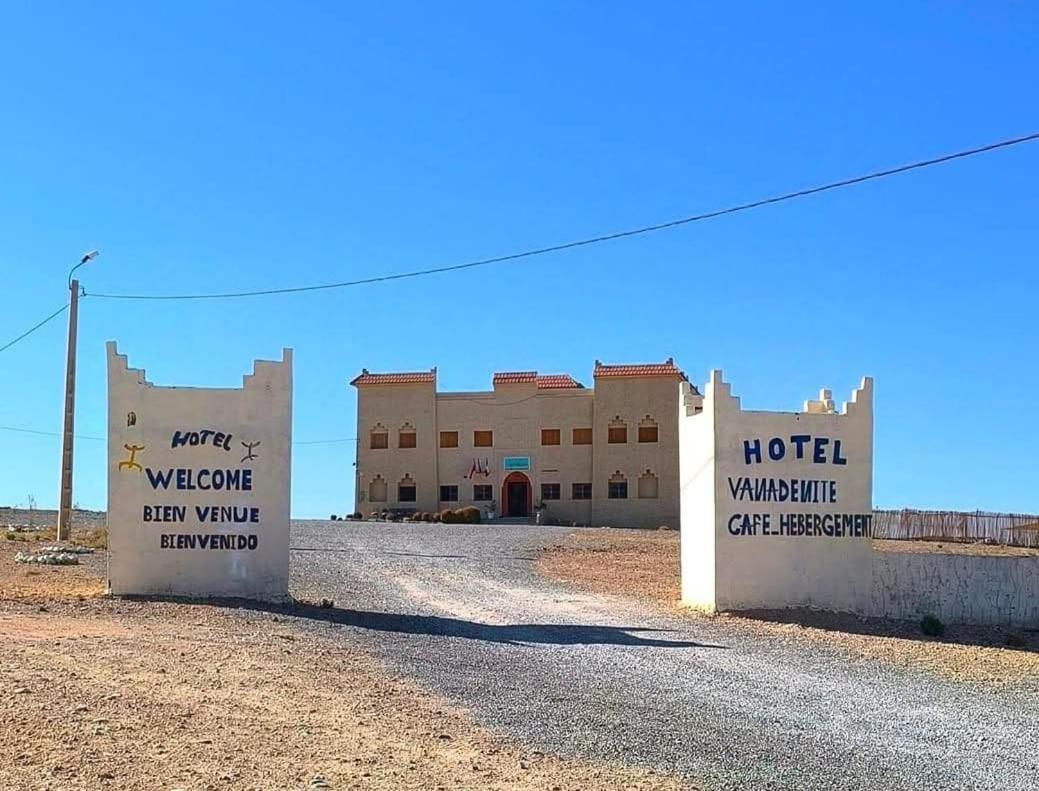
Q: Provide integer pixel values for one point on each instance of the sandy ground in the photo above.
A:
(102, 693)
(644, 565)
(31, 582)
(954, 548)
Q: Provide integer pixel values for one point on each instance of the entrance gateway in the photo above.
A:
(516, 495)
(198, 484)
(777, 507)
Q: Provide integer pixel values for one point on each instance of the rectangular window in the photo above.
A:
(449, 439)
(618, 490)
(647, 433)
(449, 494)
(582, 436)
(483, 493)
(483, 439)
(549, 436)
(380, 440)
(617, 435)
(581, 491)
(406, 494)
(550, 491)
(406, 439)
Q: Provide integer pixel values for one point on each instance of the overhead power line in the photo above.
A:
(102, 439)
(46, 433)
(597, 239)
(35, 327)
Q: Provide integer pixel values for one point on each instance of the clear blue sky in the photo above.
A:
(224, 146)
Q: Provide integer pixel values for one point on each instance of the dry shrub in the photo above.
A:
(469, 515)
(932, 626)
(95, 538)
(46, 534)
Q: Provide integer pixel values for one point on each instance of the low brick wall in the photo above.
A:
(957, 588)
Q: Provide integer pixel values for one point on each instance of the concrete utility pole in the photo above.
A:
(65, 491)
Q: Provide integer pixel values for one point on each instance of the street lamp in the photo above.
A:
(86, 257)
(64, 531)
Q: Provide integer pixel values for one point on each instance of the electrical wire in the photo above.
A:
(102, 439)
(47, 433)
(487, 401)
(35, 327)
(597, 239)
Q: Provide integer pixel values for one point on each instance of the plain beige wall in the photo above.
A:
(632, 399)
(392, 406)
(516, 413)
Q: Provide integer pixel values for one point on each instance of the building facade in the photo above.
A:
(606, 455)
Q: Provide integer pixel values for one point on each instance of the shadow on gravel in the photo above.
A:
(512, 634)
(384, 552)
(1013, 638)
(411, 554)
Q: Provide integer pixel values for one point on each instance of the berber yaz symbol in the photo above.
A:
(249, 450)
(131, 463)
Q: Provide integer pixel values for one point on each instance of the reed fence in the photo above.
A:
(1019, 530)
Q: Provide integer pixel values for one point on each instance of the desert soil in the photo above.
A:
(101, 693)
(645, 565)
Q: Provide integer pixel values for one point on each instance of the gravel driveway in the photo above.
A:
(460, 609)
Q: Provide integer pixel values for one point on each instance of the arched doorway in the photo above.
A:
(516, 495)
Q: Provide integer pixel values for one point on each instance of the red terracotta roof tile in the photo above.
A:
(514, 377)
(557, 382)
(402, 378)
(666, 368)
(543, 381)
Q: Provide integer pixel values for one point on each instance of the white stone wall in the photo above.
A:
(772, 549)
(696, 476)
(176, 453)
(733, 559)
(1000, 591)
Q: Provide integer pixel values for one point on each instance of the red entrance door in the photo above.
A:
(516, 495)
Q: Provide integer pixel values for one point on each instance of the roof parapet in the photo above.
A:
(366, 377)
(666, 368)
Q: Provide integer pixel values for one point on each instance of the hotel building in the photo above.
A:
(602, 455)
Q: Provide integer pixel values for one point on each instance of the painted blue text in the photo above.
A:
(783, 490)
(818, 450)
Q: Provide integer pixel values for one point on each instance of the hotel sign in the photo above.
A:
(198, 484)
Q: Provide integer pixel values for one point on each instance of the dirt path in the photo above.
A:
(143, 696)
(644, 565)
(728, 704)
